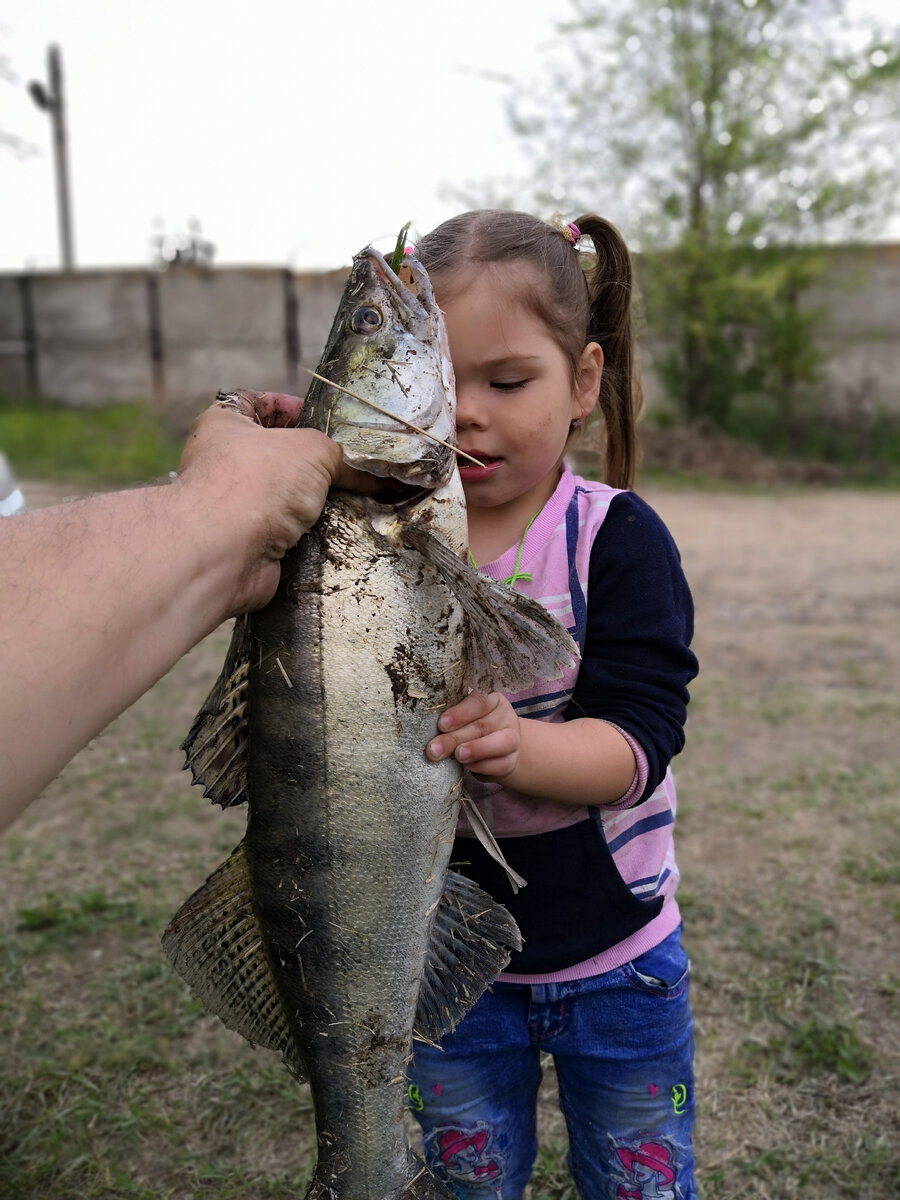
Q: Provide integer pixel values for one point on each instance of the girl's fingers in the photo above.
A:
(482, 732)
(273, 410)
(493, 771)
(474, 744)
(475, 706)
(452, 743)
(481, 751)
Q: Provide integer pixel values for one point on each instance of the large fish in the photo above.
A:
(335, 932)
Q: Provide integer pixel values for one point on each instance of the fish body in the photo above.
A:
(336, 932)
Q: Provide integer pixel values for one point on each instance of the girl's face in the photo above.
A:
(516, 399)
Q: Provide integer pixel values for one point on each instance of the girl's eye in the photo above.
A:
(508, 385)
(365, 320)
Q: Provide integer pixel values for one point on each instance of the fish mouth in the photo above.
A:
(395, 494)
(389, 494)
(410, 284)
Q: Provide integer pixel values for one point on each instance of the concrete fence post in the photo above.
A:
(155, 339)
(292, 346)
(29, 336)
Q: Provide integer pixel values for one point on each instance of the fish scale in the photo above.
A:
(349, 725)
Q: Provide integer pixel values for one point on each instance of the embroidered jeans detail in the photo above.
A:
(468, 1157)
(645, 1168)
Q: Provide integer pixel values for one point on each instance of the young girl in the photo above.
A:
(573, 777)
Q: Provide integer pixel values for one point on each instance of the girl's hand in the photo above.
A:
(481, 732)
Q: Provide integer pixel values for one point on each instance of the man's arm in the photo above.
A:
(100, 597)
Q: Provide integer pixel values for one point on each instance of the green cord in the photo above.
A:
(511, 580)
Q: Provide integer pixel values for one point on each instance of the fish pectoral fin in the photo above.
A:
(216, 749)
(471, 939)
(511, 640)
(216, 945)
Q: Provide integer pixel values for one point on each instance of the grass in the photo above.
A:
(551, 1179)
(761, 448)
(112, 1075)
(116, 444)
(70, 915)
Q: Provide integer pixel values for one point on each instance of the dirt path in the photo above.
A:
(775, 577)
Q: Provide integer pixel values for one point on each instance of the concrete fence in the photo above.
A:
(175, 337)
(169, 337)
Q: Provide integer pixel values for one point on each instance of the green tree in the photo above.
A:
(729, 139)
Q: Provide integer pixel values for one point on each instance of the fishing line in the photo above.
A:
(394, 416)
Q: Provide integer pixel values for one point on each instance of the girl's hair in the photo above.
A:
(574, 314)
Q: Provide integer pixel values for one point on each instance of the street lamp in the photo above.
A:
(50, 100)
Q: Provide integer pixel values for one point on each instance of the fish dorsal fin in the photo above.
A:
(216, 748)
(511, 640)
(471, 939)
(216, 945)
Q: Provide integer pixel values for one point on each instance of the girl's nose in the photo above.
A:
(470, 412)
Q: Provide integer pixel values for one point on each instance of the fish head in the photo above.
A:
(388, 346)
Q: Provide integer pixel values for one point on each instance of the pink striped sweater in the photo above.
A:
(634, 679)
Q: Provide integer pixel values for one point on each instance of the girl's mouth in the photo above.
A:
(469, 473)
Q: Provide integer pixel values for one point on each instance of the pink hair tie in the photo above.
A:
(567, 229)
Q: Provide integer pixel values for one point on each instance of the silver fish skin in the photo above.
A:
(336, 931)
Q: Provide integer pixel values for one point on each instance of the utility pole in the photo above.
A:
(50, 99)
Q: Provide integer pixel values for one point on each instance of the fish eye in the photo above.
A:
(366, 320)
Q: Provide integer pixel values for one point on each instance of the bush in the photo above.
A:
(866, 446)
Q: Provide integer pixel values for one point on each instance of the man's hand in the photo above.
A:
(483, 733)
(261, 482)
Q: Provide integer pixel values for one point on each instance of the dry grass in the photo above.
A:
(116, 1085)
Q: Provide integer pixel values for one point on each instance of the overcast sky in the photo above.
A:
(294, 131)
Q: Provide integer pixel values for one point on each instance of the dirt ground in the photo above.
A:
(789, 784)
(776, 577)
(788, 843)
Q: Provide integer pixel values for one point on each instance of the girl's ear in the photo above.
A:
(587, 381)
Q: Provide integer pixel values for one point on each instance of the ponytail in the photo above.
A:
(610, 285)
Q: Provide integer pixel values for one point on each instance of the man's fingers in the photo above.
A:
(277, 410)
(305, 449)
(352, 480)
(273, 410)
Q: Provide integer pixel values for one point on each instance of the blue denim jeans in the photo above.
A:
(622, 1045)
